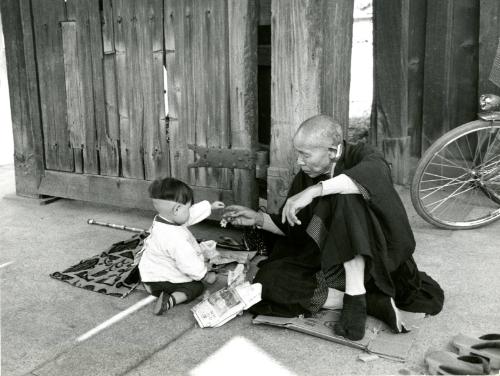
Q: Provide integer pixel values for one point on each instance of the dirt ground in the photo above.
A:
(41, 317)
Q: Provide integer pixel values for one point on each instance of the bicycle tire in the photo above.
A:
(487, 184)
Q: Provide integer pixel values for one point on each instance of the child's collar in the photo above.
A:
(159, 218)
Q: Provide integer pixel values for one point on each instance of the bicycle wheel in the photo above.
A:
(457, 181)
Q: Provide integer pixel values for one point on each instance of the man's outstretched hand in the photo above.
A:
(297, 202)
(240, 215)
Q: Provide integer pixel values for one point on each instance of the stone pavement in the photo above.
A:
(41, 317)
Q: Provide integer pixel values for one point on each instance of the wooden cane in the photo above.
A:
(117, 227)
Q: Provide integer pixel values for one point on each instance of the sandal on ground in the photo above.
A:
(449, 363)
(487, 346)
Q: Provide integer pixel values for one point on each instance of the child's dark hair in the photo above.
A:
(171, 189)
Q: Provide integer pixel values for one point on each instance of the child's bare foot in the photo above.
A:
(163, 303)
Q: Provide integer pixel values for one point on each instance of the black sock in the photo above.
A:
(353, 318)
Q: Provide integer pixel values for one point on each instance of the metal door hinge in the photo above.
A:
(223, 158)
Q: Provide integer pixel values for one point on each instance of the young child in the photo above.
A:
(172, 265)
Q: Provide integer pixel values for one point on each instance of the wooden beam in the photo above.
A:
(24, 95)
(451, 67)
(242, 15)
(123, 192)
(310, 70)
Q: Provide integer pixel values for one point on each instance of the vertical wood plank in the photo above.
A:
(489, 38)
(86, 17)
(75, 96)
(451, 67)
(156, 154)
(174, 15)
(108, 43)
(24, 95)
(211, 85)
(299, 63)
(130, 105)
(416, 60)
(106, 137)
(243, 23)
(336, 62)
(47, 15)
(109, 136)
(391, 67)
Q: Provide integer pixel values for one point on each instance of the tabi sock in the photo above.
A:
(164, 302)
(382, 307)
(352, 318)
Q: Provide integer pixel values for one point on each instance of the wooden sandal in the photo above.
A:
(487, 347)
(449, 363)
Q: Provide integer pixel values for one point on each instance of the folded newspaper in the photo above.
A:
(225, 304)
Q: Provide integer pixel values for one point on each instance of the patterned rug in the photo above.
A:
(110, 272)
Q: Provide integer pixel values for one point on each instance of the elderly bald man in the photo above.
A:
(342, 240)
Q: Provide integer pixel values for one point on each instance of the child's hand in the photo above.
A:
(217, 205)
(210, 278)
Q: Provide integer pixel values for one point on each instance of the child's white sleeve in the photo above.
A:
(198, 212)
(188, 261)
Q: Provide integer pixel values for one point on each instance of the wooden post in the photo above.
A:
(310, 74)
(398, 75)
(451, 67)
(243, 23)
(24, 95)
(489, 36)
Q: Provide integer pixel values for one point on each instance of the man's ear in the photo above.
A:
(176, 208)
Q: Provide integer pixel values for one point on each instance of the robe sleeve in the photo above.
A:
(372, 175)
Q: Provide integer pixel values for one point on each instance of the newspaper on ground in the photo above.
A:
(223, 305)
(226, 257)
(236, 276)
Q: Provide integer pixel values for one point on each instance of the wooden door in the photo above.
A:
(100, 78)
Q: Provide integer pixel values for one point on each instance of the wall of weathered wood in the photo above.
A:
(432, 59)
(310, 74)
(88, 97)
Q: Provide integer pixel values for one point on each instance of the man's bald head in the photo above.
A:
(320, 130)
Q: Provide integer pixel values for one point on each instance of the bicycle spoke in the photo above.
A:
(443, 177)
(454, 194)
(444, 186)
(443, 165)
(460, 151)
(447, 160)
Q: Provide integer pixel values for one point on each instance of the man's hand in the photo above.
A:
(210, 278)
(240, 215)
(298, 202)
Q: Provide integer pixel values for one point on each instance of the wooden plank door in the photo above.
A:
(138, 44)
(211, 59)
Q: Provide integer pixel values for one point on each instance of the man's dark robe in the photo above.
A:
(336, 228)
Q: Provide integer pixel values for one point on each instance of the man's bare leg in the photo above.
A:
(353, 317)
(334, 300)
